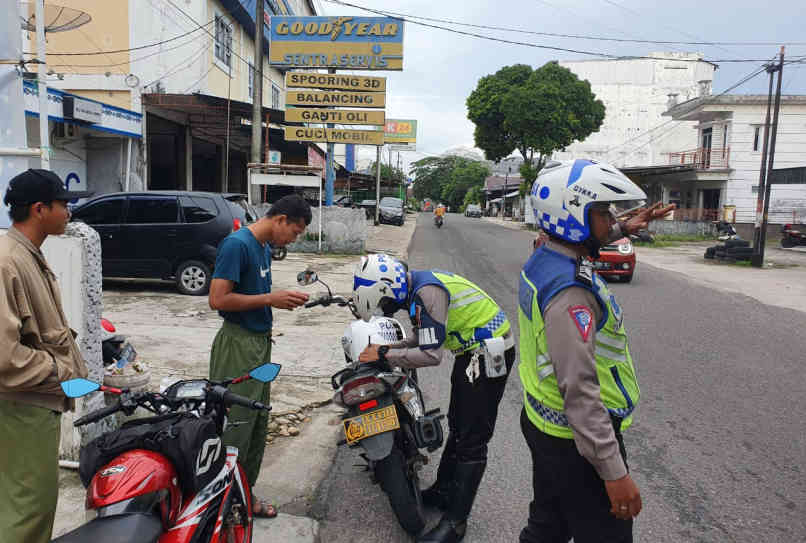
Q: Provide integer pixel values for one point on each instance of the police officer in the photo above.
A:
(579, 381)
(450, 314)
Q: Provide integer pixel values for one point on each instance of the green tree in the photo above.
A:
(448, 179)
(535, 112)
(474, 196)
(387, 173)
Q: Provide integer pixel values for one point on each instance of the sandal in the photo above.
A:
(263, 509)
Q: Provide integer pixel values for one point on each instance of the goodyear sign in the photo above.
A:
(335, 81)
(334, 135)
(330, 99)
(400, 131)
(355, 43)
(336, 116)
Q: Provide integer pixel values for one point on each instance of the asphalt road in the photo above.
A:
(719, 446)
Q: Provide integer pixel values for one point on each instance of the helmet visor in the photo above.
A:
(622, 208)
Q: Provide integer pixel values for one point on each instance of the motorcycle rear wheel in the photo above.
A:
(403, 490)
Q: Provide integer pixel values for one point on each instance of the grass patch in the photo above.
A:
(673, 240)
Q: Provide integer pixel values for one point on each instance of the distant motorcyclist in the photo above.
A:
(439, 214)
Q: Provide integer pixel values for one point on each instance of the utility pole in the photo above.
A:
(42, 85)
(330, 178)
(762, 174)
(378, 184)
(257, 89)
(768, 186)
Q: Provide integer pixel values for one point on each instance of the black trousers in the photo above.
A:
(570, 499)
(473, 410)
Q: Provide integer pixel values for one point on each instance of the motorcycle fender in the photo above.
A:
(378, 446)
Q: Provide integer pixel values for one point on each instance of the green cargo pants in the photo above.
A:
(235, 351)
(29, 471)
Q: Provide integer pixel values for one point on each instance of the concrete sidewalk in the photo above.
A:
(514, 225)
(173, 334)
(781, 283)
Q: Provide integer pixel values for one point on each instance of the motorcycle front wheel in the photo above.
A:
(401, 485)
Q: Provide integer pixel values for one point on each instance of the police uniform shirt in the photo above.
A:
(424, 346)
(571, 350)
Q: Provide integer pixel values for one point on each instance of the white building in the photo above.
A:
(719, 164)
(636, 93)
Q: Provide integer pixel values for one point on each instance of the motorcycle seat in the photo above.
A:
(129, 528)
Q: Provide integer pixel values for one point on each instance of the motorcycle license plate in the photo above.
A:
(370, 424)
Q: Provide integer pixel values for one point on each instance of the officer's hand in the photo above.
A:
(287, 299)
(641, 219)
(369, 354)
(625, 499)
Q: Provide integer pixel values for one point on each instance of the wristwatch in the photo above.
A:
(382, 350)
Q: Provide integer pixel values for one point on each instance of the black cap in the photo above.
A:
(38, 186)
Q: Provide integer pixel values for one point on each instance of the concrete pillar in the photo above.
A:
(188, 158)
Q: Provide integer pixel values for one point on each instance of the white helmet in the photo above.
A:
(380, 285)
(564, 191)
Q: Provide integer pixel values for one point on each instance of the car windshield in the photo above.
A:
(391, 202)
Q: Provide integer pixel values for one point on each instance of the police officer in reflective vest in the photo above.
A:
(579, 381)
(449, 313)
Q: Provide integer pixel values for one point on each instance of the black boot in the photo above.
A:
(437, 495)
(452, 527)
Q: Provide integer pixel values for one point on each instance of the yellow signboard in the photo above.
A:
(324, 99)
(337, 116)
(346, 43)
(313, 80)
(334, 135)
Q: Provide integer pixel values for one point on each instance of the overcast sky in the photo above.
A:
(442, 68)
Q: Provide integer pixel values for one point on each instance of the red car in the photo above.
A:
(615, 260)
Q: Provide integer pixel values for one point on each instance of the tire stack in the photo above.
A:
(731, 250)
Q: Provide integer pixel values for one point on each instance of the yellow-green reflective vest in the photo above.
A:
(472, 315)
(544, 275)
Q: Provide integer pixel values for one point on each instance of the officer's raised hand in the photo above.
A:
(641, 218)
(625, 498)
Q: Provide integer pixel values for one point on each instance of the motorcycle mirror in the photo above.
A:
(307, 277)
(265, 373)
(75, 388)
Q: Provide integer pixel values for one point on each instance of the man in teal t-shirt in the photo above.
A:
(241, 292)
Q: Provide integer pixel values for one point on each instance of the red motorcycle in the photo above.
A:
(166, 478)
(791, 237)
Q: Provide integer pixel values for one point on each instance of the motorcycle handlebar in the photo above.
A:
(327, 300)
(97, 415)
(230, 399)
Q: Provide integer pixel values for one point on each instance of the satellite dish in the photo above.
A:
(57, 18)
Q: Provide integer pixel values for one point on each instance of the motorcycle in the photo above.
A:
(385, 415)
(438, 220)
(791, 237)
(278, 253)
(166, 479)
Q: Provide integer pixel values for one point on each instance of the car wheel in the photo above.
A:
(193, 278)
(787, 242)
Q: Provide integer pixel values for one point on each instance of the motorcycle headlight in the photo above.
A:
(625, 248)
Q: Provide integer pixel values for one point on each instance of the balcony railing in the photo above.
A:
(703, 158)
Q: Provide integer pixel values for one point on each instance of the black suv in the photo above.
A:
(164, 234)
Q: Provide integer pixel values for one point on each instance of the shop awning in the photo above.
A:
(286, 180)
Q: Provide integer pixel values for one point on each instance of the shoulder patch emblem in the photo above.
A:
(583, 319)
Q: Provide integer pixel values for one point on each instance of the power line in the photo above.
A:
(132, 61)
(411, 18)
(634, 12)
(183, 65)
(99, 52)
(738, 84)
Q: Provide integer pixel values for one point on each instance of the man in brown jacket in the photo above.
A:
(37, 352)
